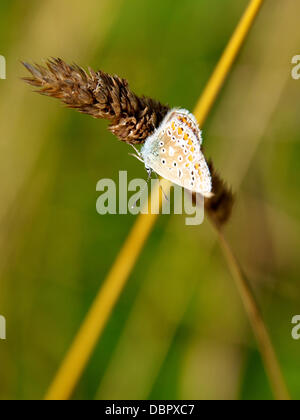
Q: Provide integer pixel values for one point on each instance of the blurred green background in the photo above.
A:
(179, 330)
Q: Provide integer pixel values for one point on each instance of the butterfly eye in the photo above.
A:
(180, 158)
(173, 138)
(169, 133)
(163, 150)
(174, 164)
(161, 144)
(163, 161)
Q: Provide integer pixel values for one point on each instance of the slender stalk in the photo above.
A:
(259, 328)
(94, 324)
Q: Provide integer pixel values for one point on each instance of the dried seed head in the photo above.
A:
(219, 206)
(132, 118)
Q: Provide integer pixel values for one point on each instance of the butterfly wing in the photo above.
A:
(175, 153)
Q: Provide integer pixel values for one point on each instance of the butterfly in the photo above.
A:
(173, 151)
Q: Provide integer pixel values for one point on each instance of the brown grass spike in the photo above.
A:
(132, 118)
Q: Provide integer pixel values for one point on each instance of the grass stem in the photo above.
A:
(96, 320)
(259, 328)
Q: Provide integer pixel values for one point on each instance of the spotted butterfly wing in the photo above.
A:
(174, 152)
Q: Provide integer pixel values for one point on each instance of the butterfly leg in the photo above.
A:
(138, 155)
(136, 150)
(149, 171)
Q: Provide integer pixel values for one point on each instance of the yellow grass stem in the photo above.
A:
(94, 324)
(222, 70)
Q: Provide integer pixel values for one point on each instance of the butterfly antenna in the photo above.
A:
(165, 195)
